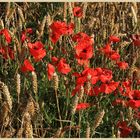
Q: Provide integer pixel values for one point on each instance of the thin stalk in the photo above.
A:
(58, 108)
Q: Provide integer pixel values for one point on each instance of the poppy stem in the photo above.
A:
(57, 102)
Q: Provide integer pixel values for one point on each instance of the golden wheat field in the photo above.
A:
(69, 70)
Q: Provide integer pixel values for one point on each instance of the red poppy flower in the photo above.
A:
(97, 90)
(107, 49)
(134, 103)
(114, 39)
(80, 37)
(76, 74)
(114, 56)
(84, 51)
(82, 106)
(7, 52)
(106, 75)
(124, 129)
(136, 39)
(37, 51)
(6, 34)
(38, 54)
(37, 45)
(122, 65)
(109, 88)
(54, 60)
(63, 67)
(59, 27)
(136, 94)
(92, 72)
(127, 83)
(29, 30)
(24, 34)
(125, 89)
(81, 80)
(27, 66)
(76, 90)
(50, 71)
(77, 11)
(70, 28)
(55, 37)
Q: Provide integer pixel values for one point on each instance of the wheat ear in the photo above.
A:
(56, 83)
(98, 120)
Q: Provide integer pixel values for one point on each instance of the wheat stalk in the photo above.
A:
(134, 14)
(70, 8)
(130, 114)
(21, 15)
(56, 81)
(27, 116)
(34, 82)
(88, 83)
(81, 93)
(88, 131)
(49, 20)
(74, 104)
(84, 9)
(20, 133)
(28, 130)
(6, 94)
(30, 108)
(18, 82)
(41, 31)
(5, 116)
(20, 24)
(12, 11)
(98, 120)
(8, 133)
(7, 105)
(58, 133)
(135, 123)
(7, 10)
(1, 24)
(65, 11)
(118, 134)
